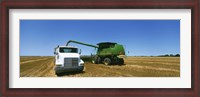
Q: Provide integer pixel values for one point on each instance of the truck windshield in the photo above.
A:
(68, 50)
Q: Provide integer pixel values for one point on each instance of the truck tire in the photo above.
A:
(107, 61)
(58, 74)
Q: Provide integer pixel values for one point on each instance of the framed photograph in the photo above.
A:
(105, 48)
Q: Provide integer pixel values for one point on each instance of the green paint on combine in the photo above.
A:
(107, 52)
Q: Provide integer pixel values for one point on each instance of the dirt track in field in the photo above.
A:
(134, 67)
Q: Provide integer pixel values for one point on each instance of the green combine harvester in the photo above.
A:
(107, 52)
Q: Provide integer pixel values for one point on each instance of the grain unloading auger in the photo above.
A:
(107, 52)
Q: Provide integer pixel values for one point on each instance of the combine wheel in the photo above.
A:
(115, 60)
(121, 61)
(107, 61)
(93, 61)
(96, 60)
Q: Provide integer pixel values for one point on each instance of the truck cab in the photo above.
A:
(67, 59)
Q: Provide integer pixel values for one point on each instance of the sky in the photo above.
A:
(139, 37)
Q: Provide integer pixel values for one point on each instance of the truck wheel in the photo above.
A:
(107, 61)
(58, 74)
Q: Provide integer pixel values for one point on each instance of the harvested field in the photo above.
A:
(133, 67)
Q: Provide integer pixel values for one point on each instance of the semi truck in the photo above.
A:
(67, 59)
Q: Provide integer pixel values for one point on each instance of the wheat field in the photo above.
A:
(43, 66)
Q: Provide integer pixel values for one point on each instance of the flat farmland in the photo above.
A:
(42, 66)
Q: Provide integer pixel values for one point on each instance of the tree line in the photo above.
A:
(170, 55)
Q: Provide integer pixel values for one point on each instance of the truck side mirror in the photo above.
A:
(80, 51)
(55, 53)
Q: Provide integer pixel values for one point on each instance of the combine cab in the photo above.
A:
(107, 52)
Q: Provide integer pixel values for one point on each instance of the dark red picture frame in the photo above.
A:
(103, 4)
